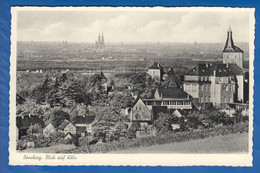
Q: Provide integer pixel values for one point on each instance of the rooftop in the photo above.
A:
(172, 92)
(221, 70)
(156, 66)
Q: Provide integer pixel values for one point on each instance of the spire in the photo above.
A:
(229, 42)
(229, 46)
(102, 38)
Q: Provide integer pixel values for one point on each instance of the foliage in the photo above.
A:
(35, 129)
(108, 125)
(120, 101)
(131, 131)
(163, 139)
(163, 123)
(58, 117)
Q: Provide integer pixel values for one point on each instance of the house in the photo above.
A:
(69, 136)
(215, 83)
(172, 97)
(83, 124)
(231, 53)
(48, 130)
(67, 127)
(156, 71)
(140, 112)
(23, 123)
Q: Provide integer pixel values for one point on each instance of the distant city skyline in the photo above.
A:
(132, 26)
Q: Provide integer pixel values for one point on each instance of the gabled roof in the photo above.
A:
(83, 120)
(220, 69)
(64, 124)
(24, 122)
(136, 100)
(171, 92)
(172, 80)
(156, 66)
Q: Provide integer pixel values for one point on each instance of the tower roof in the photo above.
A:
(229, 46)
(172, 80)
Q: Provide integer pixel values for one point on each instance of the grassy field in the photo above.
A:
(232, 143)
(52, 149)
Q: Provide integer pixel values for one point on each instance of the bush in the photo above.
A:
(163, 139)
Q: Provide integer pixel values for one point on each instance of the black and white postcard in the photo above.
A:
(136, 86)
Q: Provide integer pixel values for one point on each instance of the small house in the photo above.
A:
(83, 124)
(67, 127)
(48, 130)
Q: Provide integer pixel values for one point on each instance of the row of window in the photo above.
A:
(227, 87)
(168, 102)
(190, 87)
(205, 99)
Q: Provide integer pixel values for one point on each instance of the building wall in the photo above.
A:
(191, 78)
(233, 58)
(140, 112)
(205, 93)
(240, 89)
(192, 89)
(226, 93)
(155, 73)
(70, 128)
(48, 130)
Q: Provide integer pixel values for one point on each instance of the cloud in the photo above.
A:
(133, 26)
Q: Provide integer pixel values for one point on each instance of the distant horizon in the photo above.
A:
(132, 42)
(133, 25)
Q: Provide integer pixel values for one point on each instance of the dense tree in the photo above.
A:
(58, 117)
(35, 129)
(108, 125)
(163, 123)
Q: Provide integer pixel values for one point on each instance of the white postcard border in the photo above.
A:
(16, 158)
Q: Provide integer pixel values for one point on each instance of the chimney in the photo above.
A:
(207, 65)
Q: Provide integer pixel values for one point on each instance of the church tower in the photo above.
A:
(231, 53)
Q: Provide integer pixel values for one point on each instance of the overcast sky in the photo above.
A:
(132, 26)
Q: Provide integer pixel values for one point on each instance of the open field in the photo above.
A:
(232, 143)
